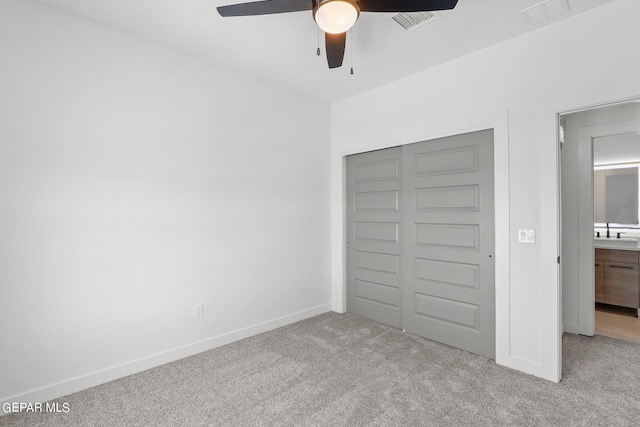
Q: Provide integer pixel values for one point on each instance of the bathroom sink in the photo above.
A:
(623, 242)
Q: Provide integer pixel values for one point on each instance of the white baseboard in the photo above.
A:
(74, 385)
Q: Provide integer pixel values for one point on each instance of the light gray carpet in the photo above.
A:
(338, 369)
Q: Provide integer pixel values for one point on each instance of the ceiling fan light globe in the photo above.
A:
(336, 16)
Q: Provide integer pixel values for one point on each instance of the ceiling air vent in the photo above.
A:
(546, 10)
(412, 20)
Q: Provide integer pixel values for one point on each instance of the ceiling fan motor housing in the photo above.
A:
(336, 11)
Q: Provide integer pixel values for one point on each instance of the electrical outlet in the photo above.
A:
(199, 310)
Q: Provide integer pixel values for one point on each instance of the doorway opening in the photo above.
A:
(600, 161)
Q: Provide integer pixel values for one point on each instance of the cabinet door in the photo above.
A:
(601, 255)
(621, 284)
(600, 281)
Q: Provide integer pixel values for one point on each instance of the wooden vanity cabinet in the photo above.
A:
(621, 284)
(617, 277)
(599, 281)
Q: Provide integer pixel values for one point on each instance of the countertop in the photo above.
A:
(604, 243)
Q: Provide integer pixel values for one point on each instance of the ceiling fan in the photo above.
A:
(334, 17)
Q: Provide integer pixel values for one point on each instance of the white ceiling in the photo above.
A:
(281, 49)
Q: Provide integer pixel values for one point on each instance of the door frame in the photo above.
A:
(498, 120)
(586, 254)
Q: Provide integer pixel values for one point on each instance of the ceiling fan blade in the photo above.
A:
(266, 7)
(406, 5)
(334, 44)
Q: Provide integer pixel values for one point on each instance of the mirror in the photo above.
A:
(616, 159)
(616, 195)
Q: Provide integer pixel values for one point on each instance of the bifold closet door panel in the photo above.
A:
(448, 241)
(373, 204)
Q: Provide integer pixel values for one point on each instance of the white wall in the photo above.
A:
(610, 150)
(577, 203)
(584, 60)
(136, 182)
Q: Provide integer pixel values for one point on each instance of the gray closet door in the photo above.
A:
(373, 233)
(448, 221)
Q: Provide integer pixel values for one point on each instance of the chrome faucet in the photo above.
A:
(608, 231)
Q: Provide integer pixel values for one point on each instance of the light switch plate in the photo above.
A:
(526, 236)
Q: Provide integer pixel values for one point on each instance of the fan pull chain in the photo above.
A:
(351, 43)
(318, 51)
